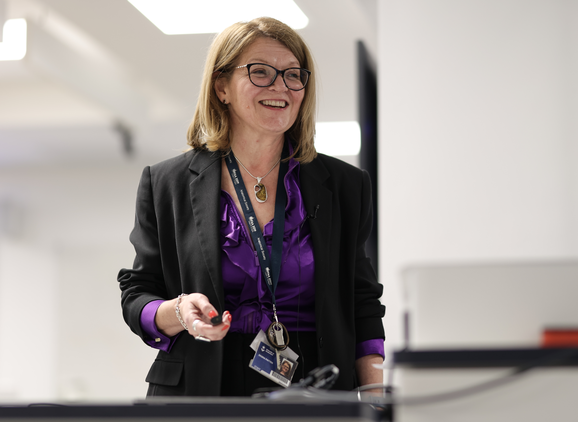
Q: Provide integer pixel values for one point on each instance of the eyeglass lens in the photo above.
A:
(263, 75)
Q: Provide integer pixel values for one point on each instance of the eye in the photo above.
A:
(260, 71)
(293, 74)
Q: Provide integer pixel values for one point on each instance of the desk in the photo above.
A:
(197, 410)
(545, 390)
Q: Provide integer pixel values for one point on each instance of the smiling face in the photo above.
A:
(258, 113)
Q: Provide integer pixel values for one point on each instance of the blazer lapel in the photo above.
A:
(205, 191)
(317, 199)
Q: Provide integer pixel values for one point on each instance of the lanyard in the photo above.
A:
(270, 263)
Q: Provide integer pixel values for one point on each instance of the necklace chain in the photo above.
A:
(254, 177)
(260, 189)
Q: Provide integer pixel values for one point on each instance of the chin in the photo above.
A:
(279, 128)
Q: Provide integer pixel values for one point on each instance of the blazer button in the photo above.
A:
(320, 341)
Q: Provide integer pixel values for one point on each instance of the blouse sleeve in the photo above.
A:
(370, 347)
(152, 336)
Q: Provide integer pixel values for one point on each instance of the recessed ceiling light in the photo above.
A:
(13, 45)
(202, 16)
(338, 138)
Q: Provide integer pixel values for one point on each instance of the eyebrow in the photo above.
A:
(292, 63)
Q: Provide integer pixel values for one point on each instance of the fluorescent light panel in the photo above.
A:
(13, 45)
(205, 16)
(338, 138)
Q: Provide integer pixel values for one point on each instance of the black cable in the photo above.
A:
(319, 378)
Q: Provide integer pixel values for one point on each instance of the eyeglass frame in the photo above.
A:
(277, 72)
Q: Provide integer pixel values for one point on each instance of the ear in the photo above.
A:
(221, 88)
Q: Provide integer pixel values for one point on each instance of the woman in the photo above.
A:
(202, 285)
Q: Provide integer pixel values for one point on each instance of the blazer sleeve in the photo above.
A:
(144, 282)
(368, 309)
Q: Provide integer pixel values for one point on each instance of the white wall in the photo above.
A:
(63, 238)
(477, 147)
(28, 341)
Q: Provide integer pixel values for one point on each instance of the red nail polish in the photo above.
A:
(225, 327)
(213, 314)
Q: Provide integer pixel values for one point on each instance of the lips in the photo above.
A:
(274, 103)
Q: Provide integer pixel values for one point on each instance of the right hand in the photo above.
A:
(196, 306)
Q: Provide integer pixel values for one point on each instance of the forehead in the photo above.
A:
(268, 51)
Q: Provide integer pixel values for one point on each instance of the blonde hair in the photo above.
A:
(210, 126)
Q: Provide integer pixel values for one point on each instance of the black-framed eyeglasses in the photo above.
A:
(263, 75)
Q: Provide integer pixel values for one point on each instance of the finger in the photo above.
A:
(194, 325)
(206, 331)
(189, 311)
(227, 319)
(213, 332)
(201, 302)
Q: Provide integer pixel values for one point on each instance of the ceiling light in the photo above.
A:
(202, 16)
(13, 45)
(338, 138)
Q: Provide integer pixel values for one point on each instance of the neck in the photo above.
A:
(258, 156)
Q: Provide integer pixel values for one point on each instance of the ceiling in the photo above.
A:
(101, 84)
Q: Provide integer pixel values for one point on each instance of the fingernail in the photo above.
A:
(225, 327)
(213, 314)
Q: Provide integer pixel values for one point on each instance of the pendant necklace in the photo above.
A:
(260, 189)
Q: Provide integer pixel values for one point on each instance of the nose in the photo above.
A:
(279, 84)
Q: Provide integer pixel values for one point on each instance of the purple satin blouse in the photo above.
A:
(246, 294)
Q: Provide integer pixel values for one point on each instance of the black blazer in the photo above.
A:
(177, 242)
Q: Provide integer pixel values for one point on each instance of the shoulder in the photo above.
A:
(350, 186)
(327, 167)
(336, 164)
(178, 168)
(176, 163)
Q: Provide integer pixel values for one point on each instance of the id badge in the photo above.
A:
(277, 365)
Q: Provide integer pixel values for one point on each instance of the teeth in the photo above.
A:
(274, 103)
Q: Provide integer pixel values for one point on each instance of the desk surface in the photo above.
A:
(211, 409)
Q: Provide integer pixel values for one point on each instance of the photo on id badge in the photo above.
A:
(273, 365)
